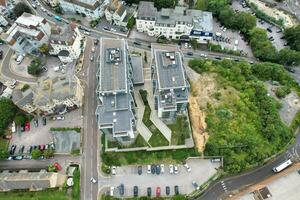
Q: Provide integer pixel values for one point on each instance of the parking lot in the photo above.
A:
(201, 171)
(276, 32)
(41, 134)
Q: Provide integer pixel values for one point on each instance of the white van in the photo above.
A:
(19, 59)
(13, 127)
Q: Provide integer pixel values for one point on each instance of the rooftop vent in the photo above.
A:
(114, 113)
(114, 120)
(173, 79)
(112, 103)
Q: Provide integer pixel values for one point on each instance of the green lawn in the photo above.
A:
(146, 157)
(3, 144)
(139, 142)
(157, 139)
(76, 186)
(180, 130)
(51, 194)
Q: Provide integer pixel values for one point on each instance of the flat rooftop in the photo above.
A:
(169, 68)
(28, 19)
(113, 75)
(137, 68)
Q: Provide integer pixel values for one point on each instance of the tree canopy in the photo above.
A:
(292, 36)
(7, 113)
(20, 8)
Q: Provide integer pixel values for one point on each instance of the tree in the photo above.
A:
(20, 8)
(51, 168)
(44, 49)
(20, 119)
(3, 154)
(165, 3)
(48, 153)
(131, 22)
(7, 113)
(292, 36)
(35, 67)
(288, 57)
(58, 9)
(36, 153)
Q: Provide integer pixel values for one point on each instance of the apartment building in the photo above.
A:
(65, 42)
(116, 13)
(115, 111)
(174, 23)
(50, 95)
(170, 85)
(28, 33)
(91, 8)
(3, 21)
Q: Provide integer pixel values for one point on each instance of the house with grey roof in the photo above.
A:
(174, 23)
(24, 99)
(115, 111)
(32, 181)
(93, 9)
(116, 13)
(170, 84)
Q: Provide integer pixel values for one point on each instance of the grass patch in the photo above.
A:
(50, 194)
(77, 129)
(139, 142)
(180, 130)
(76, 186)
(3, 144)
(146, 157)
(157, 139)
(75, 152)
(201, 5)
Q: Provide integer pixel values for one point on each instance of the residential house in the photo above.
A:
(170, 84)
(115, 111)
(93, 9)
(116, 13)
(28, 33)
(33, 181)
(3, 21)
(174, 23)
(65, 42)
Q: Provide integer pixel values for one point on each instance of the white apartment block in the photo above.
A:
(65, 42)
(116, 13)
(3, 21)
(28, 33)
(91, 8)
(174, 23)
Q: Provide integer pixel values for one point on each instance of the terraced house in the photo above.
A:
(65, 42)
(91, 8)
(28, 33)
(115, 111)
(170, 85)
(174, 23)
(116, 13)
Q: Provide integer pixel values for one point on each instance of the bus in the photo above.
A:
(282, 166)
(58, 18)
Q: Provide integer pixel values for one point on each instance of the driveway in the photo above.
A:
(41, 134)
(201, 171)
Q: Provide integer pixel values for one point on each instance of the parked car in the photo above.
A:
(22, 128)
(96, 41)
(121, 189)
(149, 191)
(30, 149)
(42, 147)
(196, 186)
(137, 43)
(44, 120)
(140, 170)
(58, 118)
(175, 169)
(1, 55)
(106, 28)
(36, 122)
(19, 59)
(27, 126)
(113, 170)
(176, 190)
(21, 150)
(52, 146)
(111, 192)
(135, 191)
(92, 58)
(149, 169)
(162, 167)
(18, 158)
(158, 169)
(12, 149)
(167, 190)
(187, 167)
(153, 169)
(190, 53)
(93, 49)
(57, 166)
(171, 169)
(158, 192)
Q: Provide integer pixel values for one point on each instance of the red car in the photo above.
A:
(27, 126)
(57, 166)
(158, 192)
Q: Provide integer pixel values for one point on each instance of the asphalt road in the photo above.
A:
(224, 187)
(89, 166)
